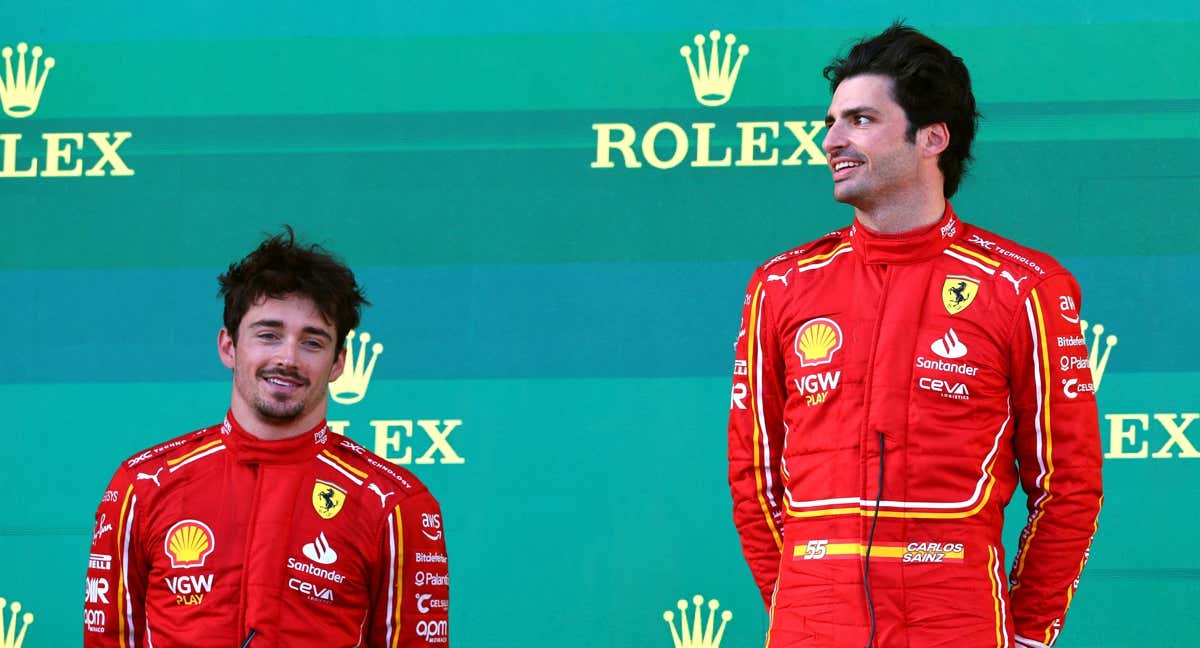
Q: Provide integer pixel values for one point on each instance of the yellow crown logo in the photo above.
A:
(686, 637)
(713, 79)
(1097, 360)
(351, 386)
(11, 638)
(20, 93)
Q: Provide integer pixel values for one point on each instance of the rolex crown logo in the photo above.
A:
(20, 92)
(1097, 360)
(713, 77)
(351, 386)
(9, 637)
(691, 637)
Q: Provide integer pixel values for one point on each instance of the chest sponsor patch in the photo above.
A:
(958, 291)
(817, 340)
(188, 544)
(327, 499)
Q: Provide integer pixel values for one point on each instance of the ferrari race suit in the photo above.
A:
(217, 536)
(888, 394)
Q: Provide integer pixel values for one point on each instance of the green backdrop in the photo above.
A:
(571, 323)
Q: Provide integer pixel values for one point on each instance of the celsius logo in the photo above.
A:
(697, 635)
(20, 95)
(713, 71)
(949, 346)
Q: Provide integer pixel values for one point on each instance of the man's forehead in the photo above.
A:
(874, 90)
(284, 308)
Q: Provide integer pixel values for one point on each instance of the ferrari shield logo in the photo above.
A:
(958, 292)
(327, 499)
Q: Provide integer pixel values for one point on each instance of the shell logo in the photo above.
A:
(188, 544)
(817, 341)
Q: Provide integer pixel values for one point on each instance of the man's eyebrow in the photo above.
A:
(312, 330)
(846, 112)
(271, 323)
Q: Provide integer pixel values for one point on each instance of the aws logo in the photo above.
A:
(714, 67)
(23, 81)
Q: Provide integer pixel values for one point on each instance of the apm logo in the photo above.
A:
(666, 144)
(697, 635)
(390, 434)
(20, 94)
(10, 638)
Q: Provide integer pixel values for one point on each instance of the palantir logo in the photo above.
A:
(697, 635)
(20, 92)
(9, 635)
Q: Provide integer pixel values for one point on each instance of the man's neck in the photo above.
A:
(267, 430)
(903, 214)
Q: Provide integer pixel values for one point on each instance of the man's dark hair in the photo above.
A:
(929, 82)
(281, 266)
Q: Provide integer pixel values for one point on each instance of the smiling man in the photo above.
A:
(888, 398)
(269, 530)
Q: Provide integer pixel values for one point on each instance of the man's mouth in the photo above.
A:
(844, 167)
(284, 381)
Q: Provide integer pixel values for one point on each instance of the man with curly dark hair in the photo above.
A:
(270, 530)
(896, 379)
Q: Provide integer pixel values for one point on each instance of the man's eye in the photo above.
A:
(267, 336)
(314, 344)
(860, 120)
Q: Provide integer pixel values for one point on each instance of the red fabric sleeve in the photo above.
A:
(1057, 440)
(756, 438)
(114, 601)
(412, 590)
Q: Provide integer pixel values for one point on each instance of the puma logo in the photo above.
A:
(382, 495)
(153, 477)
(1013, 280)
(783, 277)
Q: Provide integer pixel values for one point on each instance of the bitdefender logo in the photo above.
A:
(714, 72)
(62, 154)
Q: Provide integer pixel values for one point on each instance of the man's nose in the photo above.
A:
(834, 139)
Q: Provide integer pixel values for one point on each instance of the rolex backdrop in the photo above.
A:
(555, 208)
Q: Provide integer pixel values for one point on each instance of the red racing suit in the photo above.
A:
(889, 392)
(309, 541)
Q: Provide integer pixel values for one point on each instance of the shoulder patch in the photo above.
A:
(167, 446)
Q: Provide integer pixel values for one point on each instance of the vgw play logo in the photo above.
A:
(23, 79)
(393, 437)
(713, 66)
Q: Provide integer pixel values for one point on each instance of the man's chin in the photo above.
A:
(278, 415)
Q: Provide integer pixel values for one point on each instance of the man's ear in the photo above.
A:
(933, 139)
(226, 348)
(339, 364)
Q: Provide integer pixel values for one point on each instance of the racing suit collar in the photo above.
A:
(248, 448)
(908, 247)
